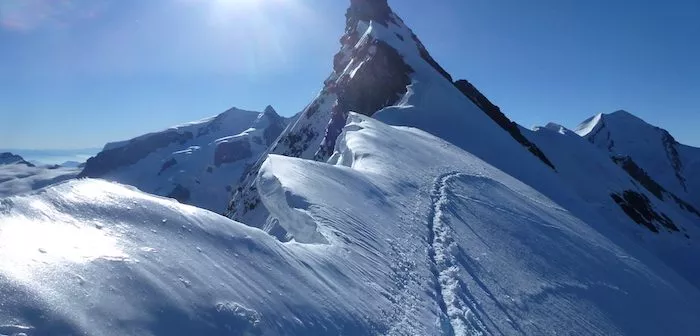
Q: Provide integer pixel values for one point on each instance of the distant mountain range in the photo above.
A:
(53, 156)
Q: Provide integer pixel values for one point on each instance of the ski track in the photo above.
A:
(459, 311)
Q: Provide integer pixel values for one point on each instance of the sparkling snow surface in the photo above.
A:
(405, 234)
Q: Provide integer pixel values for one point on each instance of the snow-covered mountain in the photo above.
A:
(381, 64)
(621, 193)
(195, 163)
(406, 204)
(385, 72)
(9, 158)
(20, 176)
(676, 167)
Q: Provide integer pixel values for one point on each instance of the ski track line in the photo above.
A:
(462, 319)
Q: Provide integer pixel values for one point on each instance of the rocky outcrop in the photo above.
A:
(638, 207)
(647, 182)
(368, 75)
(639, 175)
(379, 82)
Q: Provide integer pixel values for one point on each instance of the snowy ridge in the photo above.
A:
(396, 203)
(195, 163)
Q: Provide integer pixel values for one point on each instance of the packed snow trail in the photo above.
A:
(462, 317)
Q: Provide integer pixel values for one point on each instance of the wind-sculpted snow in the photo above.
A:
(414, 237)
(91, 257)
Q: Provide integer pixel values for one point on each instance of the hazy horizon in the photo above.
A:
(53, 156)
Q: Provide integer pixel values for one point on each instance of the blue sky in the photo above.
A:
(79, 73)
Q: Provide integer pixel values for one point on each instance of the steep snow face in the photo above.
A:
(19, 176)
(666, 225)
(195, 163)
(405, 234)
(673, 165)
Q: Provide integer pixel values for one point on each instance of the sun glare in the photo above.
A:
(241, 4)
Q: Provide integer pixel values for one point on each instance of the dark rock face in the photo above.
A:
(180, 193)
(131, 153)
(232, 151)
(379, 82)
(381, 77)
(494, 112)
(379, 11)
(638, 208)
(640, 175)
(647, 182)
(368, 10)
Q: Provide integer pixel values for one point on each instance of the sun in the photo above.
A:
(248, 9)
(233, 4)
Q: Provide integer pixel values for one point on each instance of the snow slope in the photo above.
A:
(19, 176)
(671, 228)
(405, 234)
(195, 163)
(673, 165)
